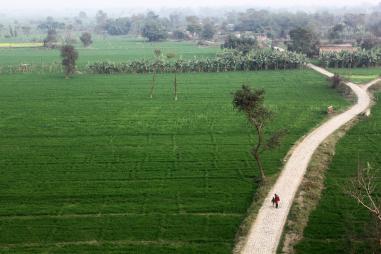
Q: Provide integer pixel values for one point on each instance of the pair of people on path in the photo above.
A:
(275, 200)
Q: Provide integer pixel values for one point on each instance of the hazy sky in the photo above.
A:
(58, 4)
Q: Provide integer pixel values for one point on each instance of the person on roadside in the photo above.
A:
(276, 200)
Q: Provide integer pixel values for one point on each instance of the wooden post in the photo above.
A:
(153, 84)
(330, 110)
(175, 86)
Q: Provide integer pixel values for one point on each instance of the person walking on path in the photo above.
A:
(276, 200)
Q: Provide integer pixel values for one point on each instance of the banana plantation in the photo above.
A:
(362, 58)
(223, 62)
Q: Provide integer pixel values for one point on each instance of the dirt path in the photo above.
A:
(266, 231)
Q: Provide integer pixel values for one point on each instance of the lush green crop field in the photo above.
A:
(91, 164)
(117, 49)
(339, 225)
(359, 75)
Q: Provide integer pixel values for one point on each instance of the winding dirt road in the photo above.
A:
(266, 231)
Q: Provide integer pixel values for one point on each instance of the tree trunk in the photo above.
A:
(259, 164)
(256, 153)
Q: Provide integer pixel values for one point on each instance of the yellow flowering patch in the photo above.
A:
(21, 44)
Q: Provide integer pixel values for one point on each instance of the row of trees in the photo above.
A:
(155, 28)
(334, 26)
(227, 61)
(52, 39)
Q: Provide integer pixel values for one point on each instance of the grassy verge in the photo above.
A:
(358, 75)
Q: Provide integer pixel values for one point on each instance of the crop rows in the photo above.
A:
(91, 164)
(116, 49)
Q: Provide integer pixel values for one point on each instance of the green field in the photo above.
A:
(339, 224)
(359, 75)
(91, 164)
(117, 49)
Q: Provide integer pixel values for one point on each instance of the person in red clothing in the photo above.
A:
(276, 200)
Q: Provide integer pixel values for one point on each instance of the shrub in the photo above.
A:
(336, 80)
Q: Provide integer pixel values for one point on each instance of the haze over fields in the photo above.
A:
(118, 7)
(175, 3)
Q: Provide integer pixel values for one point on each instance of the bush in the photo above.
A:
(336, 80)
(170, 55)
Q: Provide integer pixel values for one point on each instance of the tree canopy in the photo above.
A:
(154, 31)
(304, 41)
(86, 39)
(69, 57)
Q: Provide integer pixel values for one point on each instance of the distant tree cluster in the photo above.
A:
(154, 32)
(243, 44)
(298, 30)
(51, 39)
(208, 31)
(304, 41)
(120, 26)
(50, 24)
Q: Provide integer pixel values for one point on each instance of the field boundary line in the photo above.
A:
(98, 215)
(102, 242)
(266, 231)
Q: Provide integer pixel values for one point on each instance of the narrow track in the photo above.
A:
(266, 231)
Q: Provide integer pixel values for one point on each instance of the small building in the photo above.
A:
(279, 49)
(336, 48)
(261, 37)
(230, 27)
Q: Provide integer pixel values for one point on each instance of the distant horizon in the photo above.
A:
(110, 4)
(25, 10)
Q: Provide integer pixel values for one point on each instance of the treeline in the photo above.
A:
(361, 58)
(179, 24)
(228, 61)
